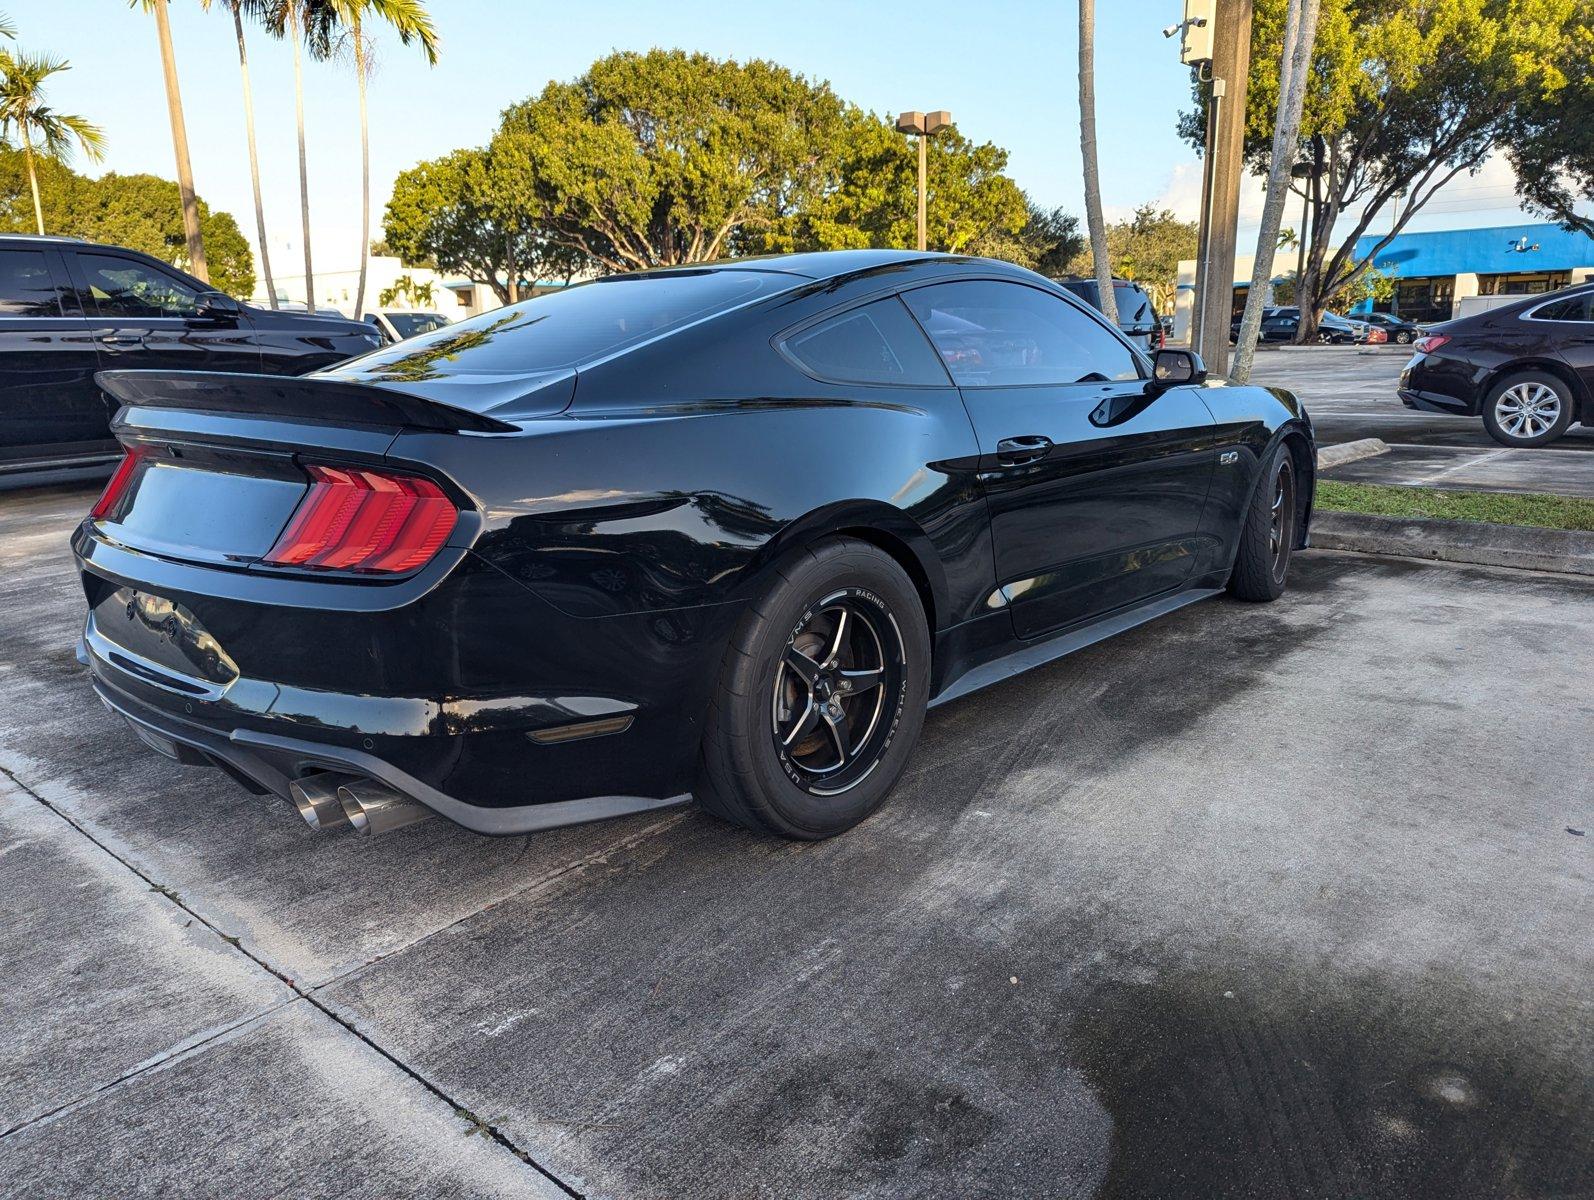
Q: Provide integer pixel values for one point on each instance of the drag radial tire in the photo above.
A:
(1530, 408)
(1267, 537)
(821, 694)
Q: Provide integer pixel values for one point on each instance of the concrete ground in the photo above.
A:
(1351, 394)
(1258, 901)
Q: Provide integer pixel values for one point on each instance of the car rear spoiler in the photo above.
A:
(291, 396)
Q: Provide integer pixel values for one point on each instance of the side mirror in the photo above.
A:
(1170, 368)
(217, 306)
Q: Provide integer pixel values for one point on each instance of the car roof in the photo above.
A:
(830, 264)
(34, 239)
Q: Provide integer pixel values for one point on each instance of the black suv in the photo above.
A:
(69, 308)
(1526, 368)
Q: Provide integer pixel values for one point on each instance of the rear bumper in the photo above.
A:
(1435, 402)
(267, 762)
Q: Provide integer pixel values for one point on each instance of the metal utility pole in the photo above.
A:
(923, 124)
(1225, 151)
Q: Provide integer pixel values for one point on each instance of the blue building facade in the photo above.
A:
(1435, 270)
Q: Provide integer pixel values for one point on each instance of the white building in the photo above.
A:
(428, 290)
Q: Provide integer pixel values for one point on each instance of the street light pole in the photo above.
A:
(923, 125)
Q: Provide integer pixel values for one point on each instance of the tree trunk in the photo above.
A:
(294, 35)
(185, 172)
(1087, 146)
(254, 157)
(365, 168)
(512, 269)
(1300, 33)
(33, 178)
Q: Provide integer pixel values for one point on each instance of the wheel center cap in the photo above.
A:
(822, 687)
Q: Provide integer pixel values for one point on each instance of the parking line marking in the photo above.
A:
(1471, 462)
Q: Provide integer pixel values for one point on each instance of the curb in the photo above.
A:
(1345, 452)
(1524, 547)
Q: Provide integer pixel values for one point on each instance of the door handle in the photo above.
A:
(1016, 451)
(122, 339)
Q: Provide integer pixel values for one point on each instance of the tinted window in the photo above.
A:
(121, 287)
(878, 343)
(1573, 308)
(564, 328)
(409, 324)
(26, 289)
(994, 334)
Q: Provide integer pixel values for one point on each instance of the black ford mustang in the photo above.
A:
(721, 531)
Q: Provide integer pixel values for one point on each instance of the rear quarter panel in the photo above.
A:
(652, 504)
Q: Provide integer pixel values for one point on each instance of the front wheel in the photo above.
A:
(1267, 538)
(821, 696)
(1531, 408)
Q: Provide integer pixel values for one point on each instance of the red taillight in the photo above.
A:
(354, 519)
(116, 489)
(1430, 343)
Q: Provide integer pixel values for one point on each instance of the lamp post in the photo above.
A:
(923, 124)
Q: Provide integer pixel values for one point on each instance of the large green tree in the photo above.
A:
(456, 214)
(1406, 95)
(142, 212)
(1550, 137)
(661, 158)
(869, 197)
(1147, 248)
(42, 130)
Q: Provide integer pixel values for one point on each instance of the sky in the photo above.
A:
(1005, 68)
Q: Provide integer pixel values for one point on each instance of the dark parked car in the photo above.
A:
(1137, 316)
(1279, 325)
(722, 530)
(1400, 330)
(1526, 368)
(69, 308)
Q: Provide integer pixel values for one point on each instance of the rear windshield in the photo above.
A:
(561, 329)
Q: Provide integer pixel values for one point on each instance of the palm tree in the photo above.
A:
(1087, 145)
(185, 172)
(1300, 35)
(410, 21)
(23, 110)
(262, 10)
(306, 23)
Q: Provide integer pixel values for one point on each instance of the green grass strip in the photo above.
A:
(1496, 508)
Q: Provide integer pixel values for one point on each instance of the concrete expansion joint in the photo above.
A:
(301, 992)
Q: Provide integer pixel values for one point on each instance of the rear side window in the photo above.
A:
(995, 334)
(121, 287)
(564, 328)
(877, 343)
(1573, 308)
(26, 289)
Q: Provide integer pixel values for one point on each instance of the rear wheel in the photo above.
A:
(1403, 337)
(1267, 539)
(821, 696)
(1531, 408)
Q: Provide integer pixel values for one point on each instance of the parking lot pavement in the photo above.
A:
(1258, 900)
(1351, 394)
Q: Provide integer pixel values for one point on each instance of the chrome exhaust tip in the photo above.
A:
(374, 808)
(316, 798)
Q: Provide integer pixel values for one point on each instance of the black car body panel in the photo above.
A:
(607, 548)
(70, 309)
(1476, 352)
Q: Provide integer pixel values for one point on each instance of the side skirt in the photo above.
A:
(1059, 645)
